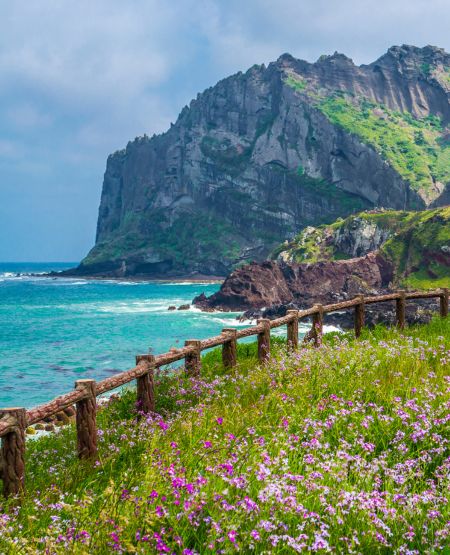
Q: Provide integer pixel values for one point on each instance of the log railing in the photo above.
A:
(14, 421)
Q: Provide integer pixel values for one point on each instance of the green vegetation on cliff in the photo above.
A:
(420, 249)
(342, 448)
(418, 149)
(417, 243)
(192, 236)
(319, 243)
(265, 153)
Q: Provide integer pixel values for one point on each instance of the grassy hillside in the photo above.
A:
(344, 448)
(418, 149)
(417, 249)
(318, 243)
(417, 243)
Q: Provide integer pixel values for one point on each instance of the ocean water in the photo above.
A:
(55, 331)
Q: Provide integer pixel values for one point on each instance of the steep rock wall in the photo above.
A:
(253, 160)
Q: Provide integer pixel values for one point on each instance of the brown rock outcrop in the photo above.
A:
(271, 283)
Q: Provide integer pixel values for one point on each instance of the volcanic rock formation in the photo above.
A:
(262, 285)
(265, 153)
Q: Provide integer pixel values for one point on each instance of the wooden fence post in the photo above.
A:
(292, 330)
(359, 316)
(400, 305)
(193, 362)
(229, 348)
(86, 420)
(317, 325)
(444, 302)
(13, 453)
(145, 386)
(264, 340)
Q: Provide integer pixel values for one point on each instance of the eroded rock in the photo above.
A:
(264, 285)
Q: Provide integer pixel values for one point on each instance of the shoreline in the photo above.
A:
(133, 279)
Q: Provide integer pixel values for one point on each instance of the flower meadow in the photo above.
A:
(339, 449)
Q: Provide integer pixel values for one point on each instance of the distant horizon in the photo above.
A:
(40, 261)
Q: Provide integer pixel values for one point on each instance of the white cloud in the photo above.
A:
(78, 51)
(26, 115)
(109, 62)
(260, 30)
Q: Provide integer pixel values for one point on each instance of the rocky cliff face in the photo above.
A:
(412, 250)
(356, 236)
(360, 238)
(416, 243)
(263, 154)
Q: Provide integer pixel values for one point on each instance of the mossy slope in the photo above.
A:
(417, 243)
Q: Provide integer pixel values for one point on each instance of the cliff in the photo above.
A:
(263, 154)
(416, 243)
(366, 252)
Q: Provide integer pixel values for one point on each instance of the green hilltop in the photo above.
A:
(417, 243)
(418, 148)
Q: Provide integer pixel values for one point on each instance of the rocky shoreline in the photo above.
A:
(67, 274)
(263, 285)
(269, 289)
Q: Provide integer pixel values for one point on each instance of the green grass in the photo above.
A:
(414, 147)
(416, 249)
(296, 82)
(344, 447)
(308, 246)
(317, 244)
(418, 149)
(414, 246)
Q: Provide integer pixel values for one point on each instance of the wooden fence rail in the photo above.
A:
(14, 421)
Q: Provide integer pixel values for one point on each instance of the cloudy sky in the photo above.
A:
(79, 78)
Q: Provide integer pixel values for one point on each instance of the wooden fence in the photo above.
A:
(14, 421)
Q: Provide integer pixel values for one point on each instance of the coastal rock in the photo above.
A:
(61, 417)
(267, 284)
(419, 311)
(414, 242)
(261, 155)
(352, 237)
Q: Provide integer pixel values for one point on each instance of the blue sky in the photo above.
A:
(79, 79)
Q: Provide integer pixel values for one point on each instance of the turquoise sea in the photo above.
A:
(55, 331)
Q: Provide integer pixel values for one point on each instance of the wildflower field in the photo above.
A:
(341, 449)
